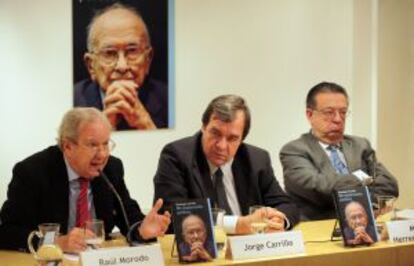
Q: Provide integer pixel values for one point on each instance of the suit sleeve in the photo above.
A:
(18, 215)
(306, 179)
(385, 183)
(169, 180)
(273, 195)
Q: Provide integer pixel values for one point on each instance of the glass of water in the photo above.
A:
(259, 215)
(94, 233)
(219, 233)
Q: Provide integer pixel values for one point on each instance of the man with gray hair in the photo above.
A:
(74, 182)
(118, 60)
(216, 164)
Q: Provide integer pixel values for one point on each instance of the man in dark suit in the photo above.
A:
(118, 60)
(216, 164)
(326, 159)
(65, 184)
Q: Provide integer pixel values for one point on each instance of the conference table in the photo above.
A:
(319, 250)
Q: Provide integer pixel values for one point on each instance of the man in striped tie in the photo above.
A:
(326, 159)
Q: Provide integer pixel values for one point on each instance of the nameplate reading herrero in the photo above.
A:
(266, 245)
(401, 231)
(124, 256)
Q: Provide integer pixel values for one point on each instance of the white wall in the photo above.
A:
(269, 51)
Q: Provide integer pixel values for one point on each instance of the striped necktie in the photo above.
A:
(82, 208)
(336, 161)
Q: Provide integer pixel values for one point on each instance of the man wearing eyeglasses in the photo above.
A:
(118, 59)
(66, 184)
(326, 159)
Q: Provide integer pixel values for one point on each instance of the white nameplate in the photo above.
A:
(266, 245)
(401, 231)
(141, 255)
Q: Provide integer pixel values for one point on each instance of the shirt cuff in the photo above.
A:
(287, 224)
(229, 223)
(134, 238)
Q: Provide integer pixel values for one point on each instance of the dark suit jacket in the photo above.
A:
(39, 193)
(310, 177)
(183, 174)
(153, 95)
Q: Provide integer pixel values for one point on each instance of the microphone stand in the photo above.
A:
(104, 177)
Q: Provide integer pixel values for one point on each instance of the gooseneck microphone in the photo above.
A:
(371, 160)
(117, 196)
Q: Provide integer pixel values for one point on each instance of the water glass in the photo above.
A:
(259, 223)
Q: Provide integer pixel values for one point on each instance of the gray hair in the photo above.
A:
(73, 119)
(225, 108)
(99, 13)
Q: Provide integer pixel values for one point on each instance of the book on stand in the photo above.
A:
(193, 229)
(355, 215)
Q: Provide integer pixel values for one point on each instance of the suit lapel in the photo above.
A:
(319, 155)
(103, 201)
(347, 151)
(59, 181)
(202, 177)
(240, 173)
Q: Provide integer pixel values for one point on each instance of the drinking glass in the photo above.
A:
(219, 233)
(94, 233)
(259, 224)
(385, 212)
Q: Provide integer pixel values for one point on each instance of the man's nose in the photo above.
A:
(122, 62)
(222, 144)
(337, 117)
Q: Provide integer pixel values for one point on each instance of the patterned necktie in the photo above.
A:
(337, 163)
(82, 209)
(221, 199)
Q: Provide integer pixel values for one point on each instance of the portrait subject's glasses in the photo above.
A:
(331, 113)
(95, 146)
(132, 54)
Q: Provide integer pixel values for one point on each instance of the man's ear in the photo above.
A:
(309, 113)
(89, 61)
(148, 61)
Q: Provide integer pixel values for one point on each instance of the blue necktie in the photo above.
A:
(337, 163)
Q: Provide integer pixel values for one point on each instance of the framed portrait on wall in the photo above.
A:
(122, 57)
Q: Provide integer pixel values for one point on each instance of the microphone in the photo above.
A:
(371, 160)
(117, 197)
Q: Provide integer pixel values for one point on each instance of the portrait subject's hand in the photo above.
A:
(361, 236)
(121, 99)
(155, 224)
(198, 252)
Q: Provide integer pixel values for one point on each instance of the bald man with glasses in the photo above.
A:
(325, 158)
(118, 60)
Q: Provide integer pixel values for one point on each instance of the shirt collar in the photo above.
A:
(71, 173)
(223, 167)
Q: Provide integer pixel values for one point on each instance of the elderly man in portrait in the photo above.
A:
(325, 158)
(215, 163)
(359, 230)
(118, 60)
(71, 183)
(196, 246)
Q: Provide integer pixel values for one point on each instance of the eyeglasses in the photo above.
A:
(331, 113)
(95, 146)
(132, 54)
